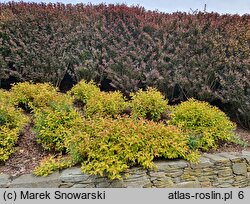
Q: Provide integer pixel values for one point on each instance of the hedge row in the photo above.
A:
(203, 55)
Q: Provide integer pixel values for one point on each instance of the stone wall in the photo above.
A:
(214, 170)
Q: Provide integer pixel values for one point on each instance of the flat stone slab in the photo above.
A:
(189, 184)
(164, 182)
(239, 168)
(4, 181)
(217, 159)
(232, 156)
(169, 165)
(174, 173)
(137, 178)
(135, 173)
(203, 163)
(80, 185)
(225, 172)
(32, 181)
(75, 175)
(246, 155)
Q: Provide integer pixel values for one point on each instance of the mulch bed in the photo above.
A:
(29, 154)
(227, 147)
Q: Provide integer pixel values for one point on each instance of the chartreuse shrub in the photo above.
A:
(110, 146)
(205, 124)
(52, 163)
(34, 96)
(55, 124)
(83, 91)
(98, 103)
(105, 104)
(12, 120)
(148, 104)
(5, 97)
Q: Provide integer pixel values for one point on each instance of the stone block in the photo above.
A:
(248, 178)
(165, 165)
(215, 184)
(138, 184)
(205, 178)
(191, 174)
(164, 182)
(188, 177)
(190, 184)
(138, 178)
(226, 180)
(156, 174)
(196, 172)
(203, 163)
(225, 185)
(100, 182)
(217, 159)
(246, 155)
(117, 184)
(104, 182)
(32, 181)
(225, 172)
(206, 184)
(239, 168)
(240, 184)
(4, 181)
(176, 180)
(135, 173)
(174, 173)
(240, 178)
(208, 171)
(83, 185)
(75, 175)
(232, 156)
(66, 185)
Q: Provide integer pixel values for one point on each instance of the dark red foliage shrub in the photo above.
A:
(203, 55)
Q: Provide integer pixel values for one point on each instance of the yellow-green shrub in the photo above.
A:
(205, 124)
(51, 163)
(83, 91)
(12, 120)
(148, 104)
(38, 95)
(111, 146)
(5, 97)
(55, 124)
(105, 104)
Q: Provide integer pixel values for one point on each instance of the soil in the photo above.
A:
(27, 156)
(230, 147)
(29, 153)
